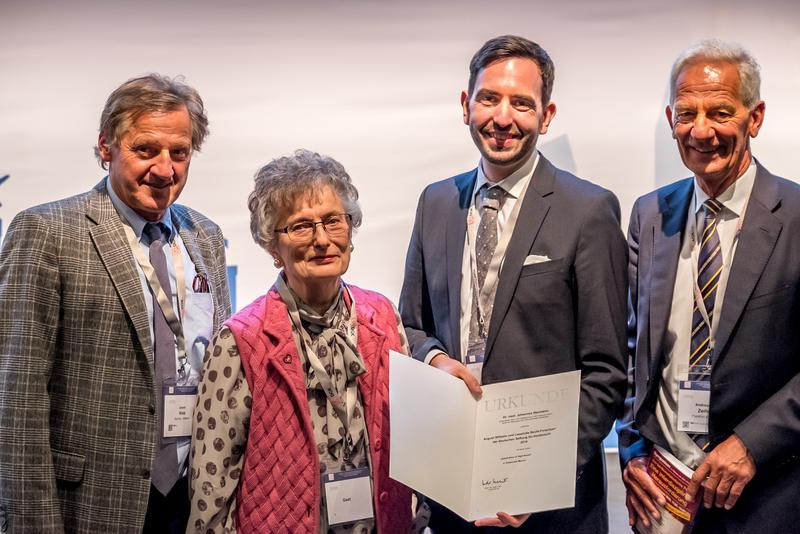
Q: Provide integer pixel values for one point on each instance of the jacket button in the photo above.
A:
(287, 358)
(151, 409)
(378, 444)
(145, 473)
(384, 496)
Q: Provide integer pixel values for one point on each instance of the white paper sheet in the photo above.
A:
(514, 450)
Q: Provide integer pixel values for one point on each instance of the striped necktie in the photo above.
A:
(709, 270)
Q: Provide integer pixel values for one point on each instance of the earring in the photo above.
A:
(352, 247)
(277, 263)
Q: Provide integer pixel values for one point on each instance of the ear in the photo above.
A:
(549, 113)
(668, 112)
(104, 148)
(756, 119)
(465, 106)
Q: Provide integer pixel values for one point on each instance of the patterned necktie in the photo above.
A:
(485, 245)
(709, 270)
(164, 473)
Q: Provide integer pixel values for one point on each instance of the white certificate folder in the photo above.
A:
(513, 450)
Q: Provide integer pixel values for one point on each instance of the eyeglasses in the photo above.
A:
(336, 225)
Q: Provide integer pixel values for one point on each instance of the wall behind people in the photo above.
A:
(374, 84)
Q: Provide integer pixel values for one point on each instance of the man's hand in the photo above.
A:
(642, 493)
(723, 474)
(502, 520)
(457, 369)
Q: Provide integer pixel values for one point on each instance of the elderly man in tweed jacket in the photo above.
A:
(79, 396)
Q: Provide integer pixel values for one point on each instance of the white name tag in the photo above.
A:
(348, 495)
(474, 361)
(694, 398)
(179, 402)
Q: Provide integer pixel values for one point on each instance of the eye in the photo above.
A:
(487, 99)
(301, 226)
(180, 154)
(522, 104)
(145, 151)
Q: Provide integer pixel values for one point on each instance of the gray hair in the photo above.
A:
(511, 46)
(716, 51)
(279, 183)
(152, 93)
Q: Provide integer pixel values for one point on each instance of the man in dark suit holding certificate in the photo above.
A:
(714, 305)
(516, 269)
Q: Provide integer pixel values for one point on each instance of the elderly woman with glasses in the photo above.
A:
(291, 430)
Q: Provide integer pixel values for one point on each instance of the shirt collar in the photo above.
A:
(133, 219)
(515, 183)
(735, 197)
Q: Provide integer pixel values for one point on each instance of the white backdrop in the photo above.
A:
(375, 85)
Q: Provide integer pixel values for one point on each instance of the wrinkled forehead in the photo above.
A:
(293, 201)
(705, 75)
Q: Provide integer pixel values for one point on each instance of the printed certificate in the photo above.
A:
(513, 450)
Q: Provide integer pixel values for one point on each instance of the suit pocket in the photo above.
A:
(542, 267)
(770, 298)
(68, 466)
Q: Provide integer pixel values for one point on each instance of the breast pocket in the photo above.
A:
(542, 267)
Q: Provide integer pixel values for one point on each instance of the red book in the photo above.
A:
(672, 477)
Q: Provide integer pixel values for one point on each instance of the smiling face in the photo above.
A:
(711, 124)
(149, 165)
(505, 114)
(313, 268)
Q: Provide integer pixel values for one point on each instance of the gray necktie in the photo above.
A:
(165, 464)
(485, 245)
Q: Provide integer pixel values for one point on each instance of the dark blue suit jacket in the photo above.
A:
(755, 382)
(550, 317)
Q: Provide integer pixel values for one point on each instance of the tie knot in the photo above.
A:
(712, 207)
(155, 231)
(492, 197)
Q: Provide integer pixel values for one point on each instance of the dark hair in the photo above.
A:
(510, 46)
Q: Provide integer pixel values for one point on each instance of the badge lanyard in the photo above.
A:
(727, 260)
(348, 400)
(484, 293)
(161, 297)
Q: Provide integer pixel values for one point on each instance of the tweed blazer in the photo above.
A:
(77, 399)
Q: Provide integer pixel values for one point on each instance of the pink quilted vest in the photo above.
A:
(279, 489)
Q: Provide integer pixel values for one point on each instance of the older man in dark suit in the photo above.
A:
(714, 278)
(516, 270)
(107, 301)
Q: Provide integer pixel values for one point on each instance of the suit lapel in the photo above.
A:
(111, 243)
(532, 213)
(668, 229)
(760, 231)
(454, 251)
(185, 226)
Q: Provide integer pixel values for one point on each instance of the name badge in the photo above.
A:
(474, 360)
(348, 495)
(694, 400)
(178, 403)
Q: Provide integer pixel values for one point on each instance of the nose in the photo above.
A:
(503, 115)
(703, 128)
(321, 238)
(162, 165)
